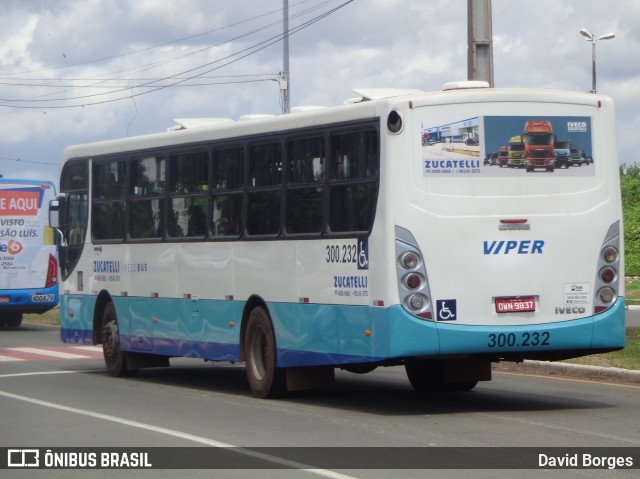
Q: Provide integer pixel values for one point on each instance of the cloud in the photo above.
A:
(374, 43)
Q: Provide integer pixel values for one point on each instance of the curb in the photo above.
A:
(546, 368)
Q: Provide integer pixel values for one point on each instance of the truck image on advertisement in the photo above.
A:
(576, 157)
(562, 153)
(515, 152)
(503, 156)
(538, 141)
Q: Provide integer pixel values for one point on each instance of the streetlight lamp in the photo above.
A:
(593, 39)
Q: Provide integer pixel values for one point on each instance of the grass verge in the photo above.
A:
(50, 317)
(627, 358)
(632, 291)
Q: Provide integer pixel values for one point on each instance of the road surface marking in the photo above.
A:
(9, 358)
(179, 434)
(41, 373)
(50, 353)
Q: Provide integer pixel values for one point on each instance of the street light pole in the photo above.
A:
(593, 39)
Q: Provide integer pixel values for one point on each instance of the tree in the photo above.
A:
(630, 189)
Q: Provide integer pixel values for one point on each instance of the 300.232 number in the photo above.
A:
(502, 340)
(346, 253)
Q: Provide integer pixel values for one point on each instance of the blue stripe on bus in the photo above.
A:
(316, 335)
(187, 349)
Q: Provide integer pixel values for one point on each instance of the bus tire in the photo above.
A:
(12, 320)
(427, 375)
(461, 386)
(360, 368)
(265, 379)
(114, 358)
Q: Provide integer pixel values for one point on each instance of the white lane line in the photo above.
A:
(179, 434)
(42, 373)
(9, 358)
(48, 353)
(93, 349)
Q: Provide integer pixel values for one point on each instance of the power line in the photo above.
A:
(77, 87)
(142, 50)
(117, 79)
(20, 160)
(152, 85)
(162, 62)
(152, 65)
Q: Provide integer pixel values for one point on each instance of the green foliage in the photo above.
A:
(627, 358)
(630, 189)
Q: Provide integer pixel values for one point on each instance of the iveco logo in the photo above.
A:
(514, 225)
(570, 310)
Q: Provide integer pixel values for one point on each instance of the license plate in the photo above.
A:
(520, 304)
(42, 298)
(5, 299)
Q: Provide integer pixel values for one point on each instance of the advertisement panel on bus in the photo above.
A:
(28, 265)
(453, 157)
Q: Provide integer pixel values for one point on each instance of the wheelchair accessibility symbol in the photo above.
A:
(363, 253)
(446, 309)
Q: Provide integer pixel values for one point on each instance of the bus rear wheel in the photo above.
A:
(11, 320)
(114, 358)
(265, 379)
(428, 375)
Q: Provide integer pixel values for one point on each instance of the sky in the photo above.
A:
(78, 71)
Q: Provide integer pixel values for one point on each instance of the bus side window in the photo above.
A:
(264, 197)
(78, 208)
(306, 163)
(263, 213)
(146, 218)
(228, 184)
(188, 217)
(353, 189)
(108, 206)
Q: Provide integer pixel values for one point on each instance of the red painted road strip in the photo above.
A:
(50, 353)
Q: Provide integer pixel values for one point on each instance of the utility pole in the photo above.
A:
(284, 75)
(480, 41)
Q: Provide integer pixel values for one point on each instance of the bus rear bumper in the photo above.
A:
(557, 340)
(36, 300)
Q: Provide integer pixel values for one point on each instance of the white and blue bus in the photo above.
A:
(28, 264)
(339, 238)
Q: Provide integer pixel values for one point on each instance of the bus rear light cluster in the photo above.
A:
(608, 277)
(412, 276)
(52, 272)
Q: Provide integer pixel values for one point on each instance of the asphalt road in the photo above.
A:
(66, 399)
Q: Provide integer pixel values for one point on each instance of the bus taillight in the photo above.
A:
(413, 285)
(608, 277)
(610, 254)
(608, 274)
(52, 273)
(413, 281)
